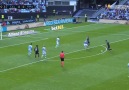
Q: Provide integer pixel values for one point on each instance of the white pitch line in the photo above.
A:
(91, 55)
(21, 37)
(85, 56)
(43, 60)
(42, 33)
(24, 43)
(55, 56)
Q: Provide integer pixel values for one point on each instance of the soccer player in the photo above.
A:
(36, 50)
(88, 40)
(108, 45)
(85, 44)
(30, 49)
(57, 42)
(62, 55)
(44, 51)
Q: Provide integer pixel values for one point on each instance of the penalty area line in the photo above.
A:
(42, 60)
(86, 56)
(56, 56)
(50, 60)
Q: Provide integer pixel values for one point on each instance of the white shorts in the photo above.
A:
(44, 53)
(85, 45)
(29, 51)
(57, 43)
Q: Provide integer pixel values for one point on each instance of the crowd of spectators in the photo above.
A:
(40, 6)
(116, 12)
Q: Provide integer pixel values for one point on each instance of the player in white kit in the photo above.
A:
(57, 42)
(30, 49)
(85, 44)
(44, 52)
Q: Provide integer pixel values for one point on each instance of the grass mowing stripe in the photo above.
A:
(86, 56)
(24, 43)
(56, 56)
(43, 60)
(42, 33)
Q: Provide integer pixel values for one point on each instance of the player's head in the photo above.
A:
(30, 43)
(36, 45)
(62, 51)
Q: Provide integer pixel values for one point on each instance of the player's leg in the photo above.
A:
(62, 63)
(108, 47)
(35, 55)
(42, 55)
(29, 52)
(57, 44)
(88, 43)
(85, 46)
(45, 54)
(38, 54)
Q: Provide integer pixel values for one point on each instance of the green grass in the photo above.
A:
(88, 69)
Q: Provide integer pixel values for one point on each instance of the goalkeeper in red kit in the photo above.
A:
(62, 55)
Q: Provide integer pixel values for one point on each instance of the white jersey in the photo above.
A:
(30, 47)
(85, 43)
(44, 50)
(57, 40)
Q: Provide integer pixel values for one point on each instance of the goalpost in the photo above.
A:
(1, 29)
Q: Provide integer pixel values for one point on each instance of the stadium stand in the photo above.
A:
(40, 6)
(121, 12)
(60, 10)
(81, 13)
(102, 12)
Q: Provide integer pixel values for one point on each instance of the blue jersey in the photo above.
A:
(44, 49)
(85, 42)
(30, 47)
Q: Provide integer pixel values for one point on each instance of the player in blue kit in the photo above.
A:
(85, 44)
(30, 49)
(44, 51)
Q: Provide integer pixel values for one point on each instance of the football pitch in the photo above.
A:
(93, 68)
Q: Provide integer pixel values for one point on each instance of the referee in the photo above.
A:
(62, 55)
(36, 50)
